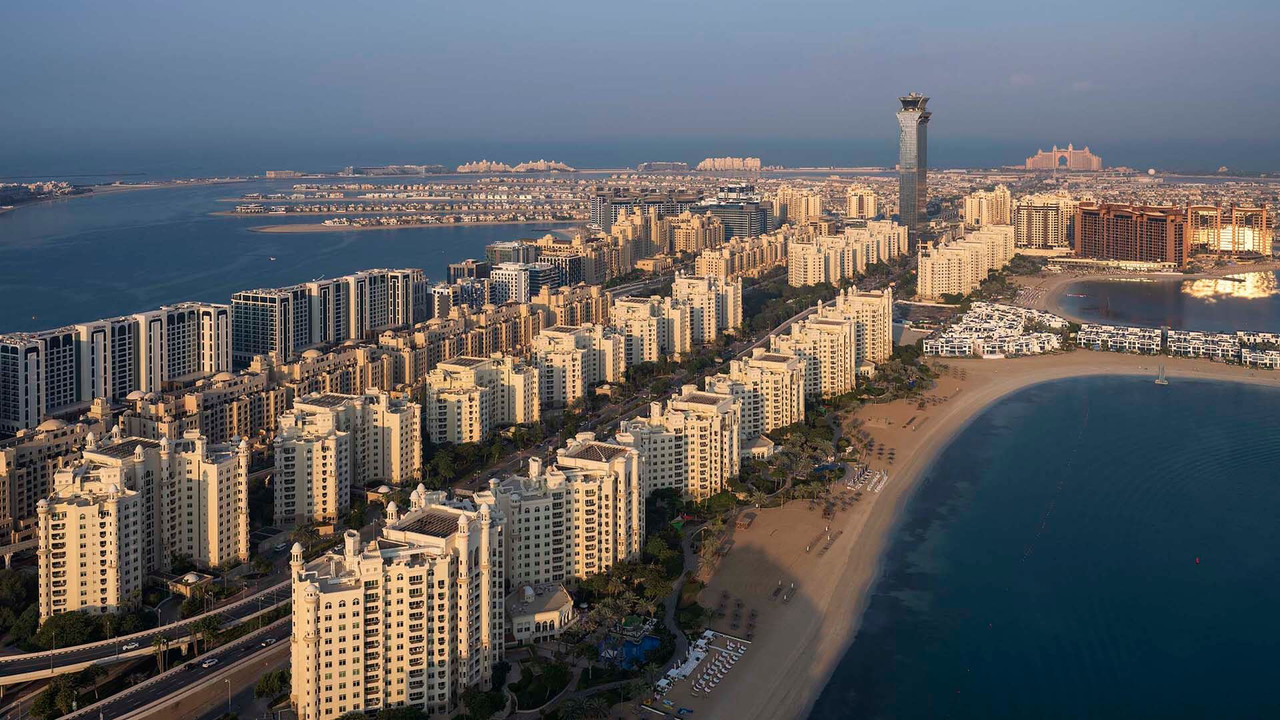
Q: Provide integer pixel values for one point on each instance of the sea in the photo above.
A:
(1096, 547)
(1247, 301)
(89, 257)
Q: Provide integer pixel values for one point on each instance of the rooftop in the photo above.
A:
(465, 361)
(125, 448)
(435, 523)
(324, 400)
(702, 398)
(600, 452)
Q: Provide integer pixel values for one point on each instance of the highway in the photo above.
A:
(20, 668)
(275, 638)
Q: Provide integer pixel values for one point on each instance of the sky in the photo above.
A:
(83, 76)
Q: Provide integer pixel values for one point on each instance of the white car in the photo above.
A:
(130, 646)
(267, 643)
(209, 663)
(282, 547)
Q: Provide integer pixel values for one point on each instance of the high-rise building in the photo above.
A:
(690, 443)
(517, 282)
(571, 359)
(39, 375)
(769, 388)
(1153, 234)
(510, 251)
(653, 327)
(958, 267)
(1044, 222)
(469, 268)
(465, 399)
(861, 203)
(577, 517)
(871, 312)
(413, 619)
(28, 463)
(692, 233)
(1233, 229)
(828, 347)
(830, 259)
(988, 207)
(715, 306)
(740, 211)
(204, 500)
(913, 164)
(798, 205)
(607, 204)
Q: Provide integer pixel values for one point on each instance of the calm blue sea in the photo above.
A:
(1249, 301)
(92, 257)
(1046, 566)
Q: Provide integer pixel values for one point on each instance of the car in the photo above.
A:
(130, 646)
(281, 547)
(209, 663)
(267, 643)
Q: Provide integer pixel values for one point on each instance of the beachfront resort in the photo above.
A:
(992, 331)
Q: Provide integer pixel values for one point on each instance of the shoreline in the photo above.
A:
(804, 642)
(318, 227)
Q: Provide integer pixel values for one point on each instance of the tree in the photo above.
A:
(482, 705)
(271, 684)
(305, 534)
(161, 647)
(66, 629)
(204, 629)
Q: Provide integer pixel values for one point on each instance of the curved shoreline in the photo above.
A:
(319, 227)
(806, 650)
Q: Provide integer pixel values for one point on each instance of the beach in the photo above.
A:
(320, 227)
(834, 562)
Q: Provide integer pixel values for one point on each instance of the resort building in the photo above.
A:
(743, 257)
(992, 330)
(412, 619)
(1132, 232)
(465, 399)
(769, 389)
(690, 443)
(1044, 222)
(204, 500)
(572, 359)
(958, 267)
(1118, 338)
(828, 348)
(715, 305)
(1232, 229)
(575, 518)
(1223, 347)
(653, 327)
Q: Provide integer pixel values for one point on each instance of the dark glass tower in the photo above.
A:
(913, 165)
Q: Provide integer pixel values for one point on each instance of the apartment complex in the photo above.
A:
(769, 389)
(988, 207)
(832, 258)
(1108, 231)
(1044, 222)
(414, 618)
(743, 257)
(606, 204)
(715, 305)
(205, 500)
(329, 443)
(691, 233)
(861, 203)
(958, 267)
(574, 518)
(28, 462)
(1231, 229)
(690, 443)
(571, 359)
(913, 161)
(653, 327)
(465, 398)
(797, 205)
(828, 349)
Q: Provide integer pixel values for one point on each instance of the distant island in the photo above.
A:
(485, 166)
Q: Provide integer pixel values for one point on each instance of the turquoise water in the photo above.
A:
(1250, 301)
(92, 257)
(1046, 566)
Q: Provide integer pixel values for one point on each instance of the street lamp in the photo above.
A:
(228, 683)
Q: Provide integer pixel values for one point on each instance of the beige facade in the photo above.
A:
(539, 612)
(861, 203)
(743, 257)
(28, 462)
(769, 388)
(572, 359)
(715, 305)
(413, 618)
(872, 315)
(833, 258)
(798, 205)
(576, 305)
(958, 267)
(692, 233)
(466, 398)
(575, 518)
(988, 207)
(653, 327)
(1042, 222)
(828, 349)
(205, 500)
(691, 443)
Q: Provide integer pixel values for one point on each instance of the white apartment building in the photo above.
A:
(692, 233)
(958, 267)
(691, 443)
(832, 258)
(988, 207)
(465, 399)
(412, 619)
(798, 205)
(90, 550)
(574, 518)
(871, 311)
(828, 347)
(653, 327)
(571, 359)
(743, 257)
(715, 305)
(769, 388)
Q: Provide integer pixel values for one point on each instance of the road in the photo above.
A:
(112, 650)
(193, 675)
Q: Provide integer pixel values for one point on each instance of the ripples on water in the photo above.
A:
(1247, 301)
(1047, 568)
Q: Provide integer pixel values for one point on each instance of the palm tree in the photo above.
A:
(161, 647)
(758, 498)
(204, 629)
(306, 534)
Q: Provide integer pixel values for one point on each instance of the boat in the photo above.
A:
(1162, 380)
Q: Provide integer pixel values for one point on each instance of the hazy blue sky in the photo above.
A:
(1101, 73)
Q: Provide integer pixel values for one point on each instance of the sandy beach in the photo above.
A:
(320, 227)
(834, 562)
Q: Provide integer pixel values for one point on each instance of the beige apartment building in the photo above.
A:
(572, 359)
(958, 267)
(413, 618)
(871, 312)
(576, 305)
(988, 207)
(466, 398)
(205, 502)
(798, 205)
(575, 518)
(828, 347)
(833, 258)
(715, 305)
(769, 389)
(653, 327)
(692, 233)
(1043, 222)
(28, 462)
(743, 257)
(860, 203)
(690, 443)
